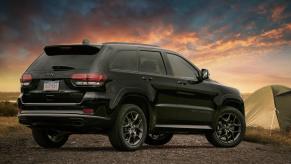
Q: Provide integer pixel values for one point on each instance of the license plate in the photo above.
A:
(51, 86)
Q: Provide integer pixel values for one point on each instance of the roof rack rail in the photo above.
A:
(138, 44)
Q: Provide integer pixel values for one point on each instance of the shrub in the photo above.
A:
(8, 109)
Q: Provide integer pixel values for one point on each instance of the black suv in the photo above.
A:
(135, 93)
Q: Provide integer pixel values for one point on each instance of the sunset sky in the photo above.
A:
(244, 44)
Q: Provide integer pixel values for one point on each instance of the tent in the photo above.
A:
(269, 108)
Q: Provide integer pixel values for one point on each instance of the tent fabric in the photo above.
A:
(269, 108)
(282, 97)
(279, 90)
(260, 109)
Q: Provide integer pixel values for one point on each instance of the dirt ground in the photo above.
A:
(20, 148)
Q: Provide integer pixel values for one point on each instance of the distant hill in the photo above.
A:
(8, 96)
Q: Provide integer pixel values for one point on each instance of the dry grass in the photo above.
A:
(8, 109)
(7, 96)
(10, 125)
(264, 136)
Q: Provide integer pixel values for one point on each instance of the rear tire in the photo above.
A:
(49, 138)
(229, 128)
(158, 139)
(130, 128)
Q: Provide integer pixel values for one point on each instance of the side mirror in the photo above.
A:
(204, 74)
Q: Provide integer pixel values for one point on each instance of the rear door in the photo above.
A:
(51, 74)
(124, 74)
(162, 88)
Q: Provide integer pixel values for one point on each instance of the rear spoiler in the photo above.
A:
(71, 50)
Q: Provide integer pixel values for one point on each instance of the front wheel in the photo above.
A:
(49, 138)
(158, 139)
(229, 128)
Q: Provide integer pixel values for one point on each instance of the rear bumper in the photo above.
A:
(65, 121)
(66, 116)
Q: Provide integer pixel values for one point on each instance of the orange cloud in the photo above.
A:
(269, 38)
(188, 43)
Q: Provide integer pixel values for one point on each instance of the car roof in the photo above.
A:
(130, 44)
(119, 45)
(137, 45)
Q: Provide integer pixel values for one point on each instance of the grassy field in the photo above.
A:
(8, 109)
(8, 96)
(264, 136)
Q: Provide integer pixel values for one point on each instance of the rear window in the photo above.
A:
(77, 62)
(65, 59)
(125, 60)
(151, 62)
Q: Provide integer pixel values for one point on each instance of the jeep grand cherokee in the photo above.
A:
(135, 93)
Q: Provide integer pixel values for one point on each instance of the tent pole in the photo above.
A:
(272, 122)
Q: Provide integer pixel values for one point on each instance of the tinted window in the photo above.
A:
(125, 60)
(151, 62)
(180, 67)
(77, 62)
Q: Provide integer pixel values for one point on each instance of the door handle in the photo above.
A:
(148, 79)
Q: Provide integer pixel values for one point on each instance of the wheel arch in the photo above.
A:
(141, 101)
(234, 103)
(231, 100)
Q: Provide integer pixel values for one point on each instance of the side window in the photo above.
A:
(180, 67)
(125, 60)
(151, 62)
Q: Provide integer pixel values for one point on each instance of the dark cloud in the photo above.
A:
(204, 31)
(31, 24)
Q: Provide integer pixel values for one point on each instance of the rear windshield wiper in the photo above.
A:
(62, 68)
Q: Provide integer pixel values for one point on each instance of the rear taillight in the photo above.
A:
(26, 79)
(88, 79)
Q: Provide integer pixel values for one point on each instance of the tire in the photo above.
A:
(45, 138)
(158, 139)
(229, 128)
(130, 128)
